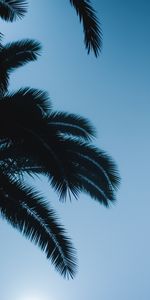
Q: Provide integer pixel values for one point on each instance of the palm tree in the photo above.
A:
(16, 9)
(35, 139)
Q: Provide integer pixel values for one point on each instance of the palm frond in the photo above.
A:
(92, 179)
(91, 25)
(72, 165)
(25, 104)
(90, 169)
(27, 212)
(81, 168)
(71, 124)
(14, 55)
(18, 53)
(11, 10)
(100, 160)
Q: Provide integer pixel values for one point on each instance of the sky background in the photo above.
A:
(113, 91)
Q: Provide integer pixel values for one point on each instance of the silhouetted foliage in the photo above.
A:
(91, 25)
(58, 145)
(35, 139)
(27, 211)
(14, 55)
(11, 10)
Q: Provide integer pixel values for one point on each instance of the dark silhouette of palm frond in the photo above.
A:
(35, 139)
(38, 140)
(71, 124)
(27, 211)
(11, 10)
(72, 164)
(91, 25)
(14, 55)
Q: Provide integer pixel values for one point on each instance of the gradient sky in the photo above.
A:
(113, 91)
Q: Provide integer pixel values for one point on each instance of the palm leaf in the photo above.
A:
(100, 160)
(26, 103)
(27, 212)
(86, 168)
(71, 164)
(11, 10)
(71, 124)
(91, 26)
(14, 55)
(89, 169)
(18, 53)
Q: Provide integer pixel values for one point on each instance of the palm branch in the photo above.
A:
(11, 10)
(25, 210)
(14, 55)
(72, 164)
(38, 140)
(91, 25)
(35, 139)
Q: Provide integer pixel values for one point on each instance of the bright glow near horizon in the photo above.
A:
(32, 297)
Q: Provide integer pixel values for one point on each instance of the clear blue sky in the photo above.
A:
(114, 93)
